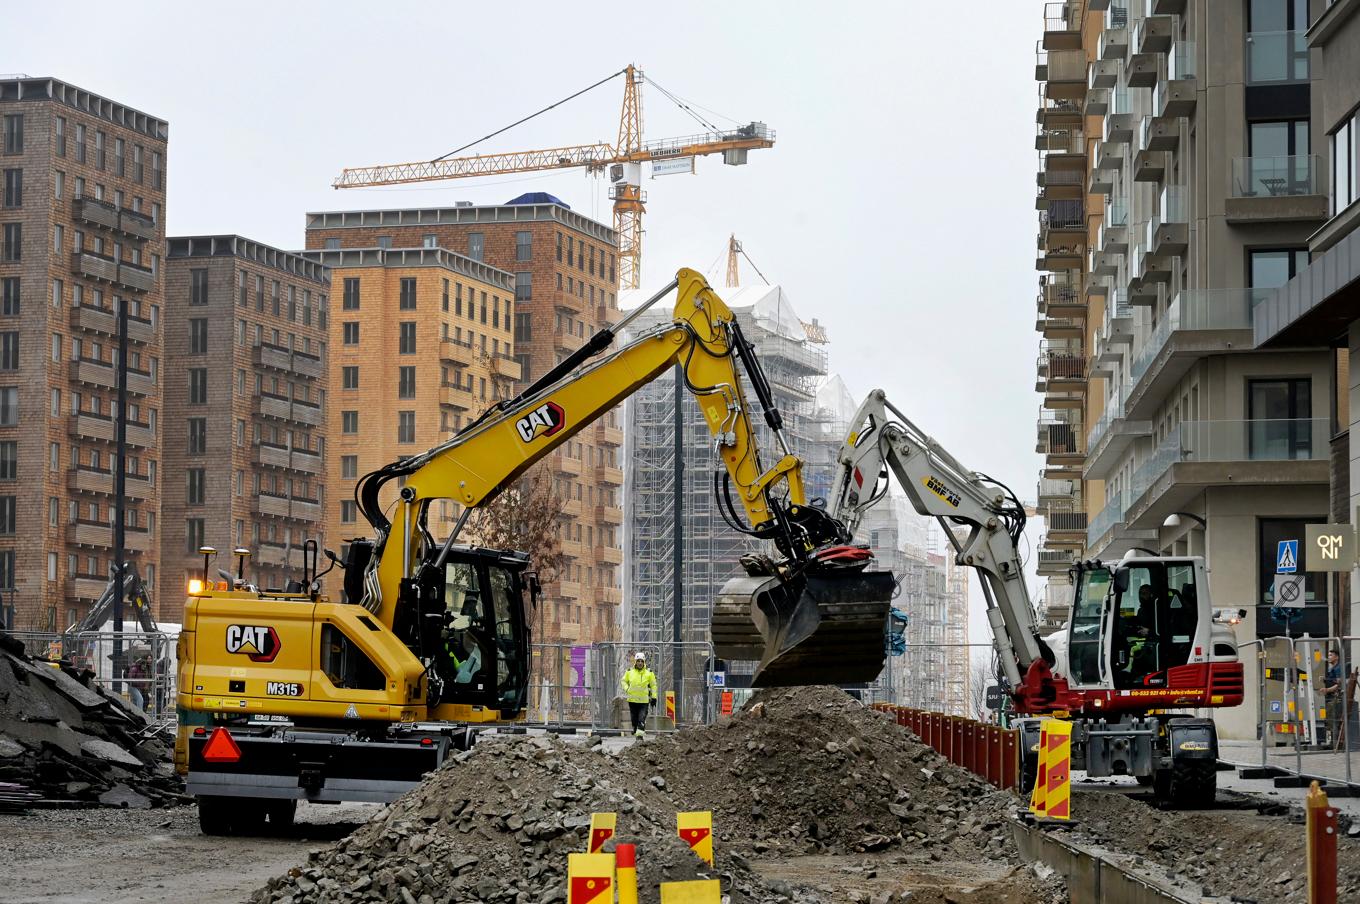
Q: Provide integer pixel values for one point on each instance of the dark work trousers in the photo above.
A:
(639, 713)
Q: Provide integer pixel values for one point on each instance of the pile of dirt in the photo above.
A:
(1246, 849)
(63, 738)
(797, 771)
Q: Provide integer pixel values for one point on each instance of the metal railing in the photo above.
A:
(1107, 517)
(138, 666)
(1196, 309)
(1276, 56)
(1295, 439)
(1275, 177)
(1114, 409)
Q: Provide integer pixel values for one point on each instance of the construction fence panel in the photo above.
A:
(138, 666)
(988, 751)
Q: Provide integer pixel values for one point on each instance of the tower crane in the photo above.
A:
(622, 160)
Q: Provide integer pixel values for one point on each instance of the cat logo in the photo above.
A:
(936, 486)
(283, 689)
(545, 420)
(259, 642)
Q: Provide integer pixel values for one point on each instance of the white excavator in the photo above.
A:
(1140, 653)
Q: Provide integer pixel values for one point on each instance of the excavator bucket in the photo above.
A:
(822, 628)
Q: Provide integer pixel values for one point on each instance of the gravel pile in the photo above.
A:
(63, 739)
(800, 771)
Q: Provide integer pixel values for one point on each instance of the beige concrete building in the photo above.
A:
(81, 233)
(1202, 185)
(421, 343)
(564, 273)
(246, 409)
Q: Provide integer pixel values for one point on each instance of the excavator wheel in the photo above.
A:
(823, 627)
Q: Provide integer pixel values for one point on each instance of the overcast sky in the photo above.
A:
(896, 206)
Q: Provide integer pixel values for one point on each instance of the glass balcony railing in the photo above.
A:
(1173, 204)
(1116, 15)
(1273, 177)
(1195, 309)
(1276, 56)
(1116, 212)
(1294, 439)
(1108, 517)
(1180, 62)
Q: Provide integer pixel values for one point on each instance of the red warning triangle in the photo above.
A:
(694, 836)
(598, 837)
(221, 748)
(585, 889)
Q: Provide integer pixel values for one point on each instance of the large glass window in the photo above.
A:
(1088, 618)
(345, 665)
(1272, 268)
(1345, 164)
(1280, 412)
(1276, 48)
(1278, 159)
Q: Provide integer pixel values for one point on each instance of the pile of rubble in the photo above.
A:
(801, 771)
(63, 739)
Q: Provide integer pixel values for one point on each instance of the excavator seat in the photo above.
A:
(826, 626)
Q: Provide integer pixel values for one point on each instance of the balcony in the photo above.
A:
(286, 361)
(609, 555)
(84, 588)
(1061, 225)
(1059, 434)
(1058, 492)
(609, 475)
(271, 456)
(1153, 34)
(1063, 370)
(505, 366)
(573, 549)
(304, 461)
(1060, 140)
(455, 397)
(105, 322)
(1276, 190)
(96, 213)
(1141, 71)
(1176, 95)
(276, 506)
(94, 266)
(1103, 262)
(1149, 166)
(1197, 323)
(89, 480)
(278, 556)
(1066, 529)
(1097, 102)
(1066, 76)
(1054, 562)
(136, 224)
(608, 514)
(1056, 604)
(1118, 128)
(1102, 181)
(1109, 156)
(566, 466)
(1114, 37)
(1111, 436)
(86, 533)
(97, 373)
(608, 436)
(612, 596)
(1060, 327)
(1062, 26)
(1062, 300)
(275, 456)
(1166, 7)
(1103, 74)
(305, 509)
(1168, 232)
(455, 352)
(140, 279)
(1118, 326)
(1059, 111)
(569, 590)
(1276, 57)
(282, 409)
(1156, 133)
(94, 426)
(1200, 454)
(1113, 236)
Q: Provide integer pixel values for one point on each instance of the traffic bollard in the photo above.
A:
(625, 862)
(1321, 847)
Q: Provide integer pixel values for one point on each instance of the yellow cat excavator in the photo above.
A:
(288, 696)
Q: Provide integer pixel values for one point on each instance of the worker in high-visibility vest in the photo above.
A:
(639, 686)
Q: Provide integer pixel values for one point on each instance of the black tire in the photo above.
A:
(281, 814)
(1187, 785)
(214, 815)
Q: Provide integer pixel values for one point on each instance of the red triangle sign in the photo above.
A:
(598, 838)
(694, 836)
(585, 889)
(221, 748)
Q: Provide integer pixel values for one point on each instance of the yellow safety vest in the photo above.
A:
(639, 686)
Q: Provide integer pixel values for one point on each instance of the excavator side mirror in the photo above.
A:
(1121, 580)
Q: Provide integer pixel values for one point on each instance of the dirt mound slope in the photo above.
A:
(1227, 851)
(801, 771)
(63, 738)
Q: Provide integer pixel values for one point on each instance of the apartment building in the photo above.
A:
(421, 344)
(81, 233)
(564, 270)
(1201, 188)
(1320, 305)
(245, 415)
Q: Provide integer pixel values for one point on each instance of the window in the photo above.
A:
(61, 136)
(196, 480)
(7, 514)
(1345, 180)
(137, 153)
(524, 286)
(9, 459)
(384, 241)
(349, 467)
(429, 240)
(80, 142)
(157, 176)
(350, 376)
(56, 348)
(445, 300)
(9, 350)
(58, 184)
(407, 338)
(14, 133)
(1272, 268)
(407, 301)
(198, 287)
(559, 247)
(406, 427)
(9, 406)
(350, 302)
(476, 241)
(198, 335)
(349, 422)
(119, 146)
(523, 328)
(193, 534)
(99, 155)
(9, 296)
(406, 382)
(198, 386)
(197, 428)
(1276, 48)
(58, 292)
(14, 188)
(12, 249)
(524, 246)
(571, 250)
(349, 511)
(351, 332)
(1281, 414)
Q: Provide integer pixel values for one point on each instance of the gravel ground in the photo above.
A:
(126, 856)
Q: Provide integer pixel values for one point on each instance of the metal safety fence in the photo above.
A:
(136, 665)
(988, 751)
(580, 685)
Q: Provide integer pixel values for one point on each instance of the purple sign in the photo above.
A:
(578, 672)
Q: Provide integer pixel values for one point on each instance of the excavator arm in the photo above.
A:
(883, 439)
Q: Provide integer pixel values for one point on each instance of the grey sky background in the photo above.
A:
(896, 206)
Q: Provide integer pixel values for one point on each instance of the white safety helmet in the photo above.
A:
(640, 657)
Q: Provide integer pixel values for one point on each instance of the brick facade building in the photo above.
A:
(81, 231)
(565, 273)
(246, 415)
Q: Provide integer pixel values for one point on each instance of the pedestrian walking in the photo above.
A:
(639, 686)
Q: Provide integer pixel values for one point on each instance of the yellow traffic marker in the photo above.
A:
(601, 830)
(1058, 794)
(590, 878)
(1038, 795)
(625, 856)
(698, 891)
(696, 830)
(670, 706)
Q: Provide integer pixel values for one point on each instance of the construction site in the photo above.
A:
(443, 547)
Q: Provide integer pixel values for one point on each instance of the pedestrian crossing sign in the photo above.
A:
(1287, 557)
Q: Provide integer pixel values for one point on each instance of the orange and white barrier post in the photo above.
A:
(1038, 796)
(601, 830)
(625, 863)
(670, 707)
(696, 830)
(590, 879)
(1058, 794)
